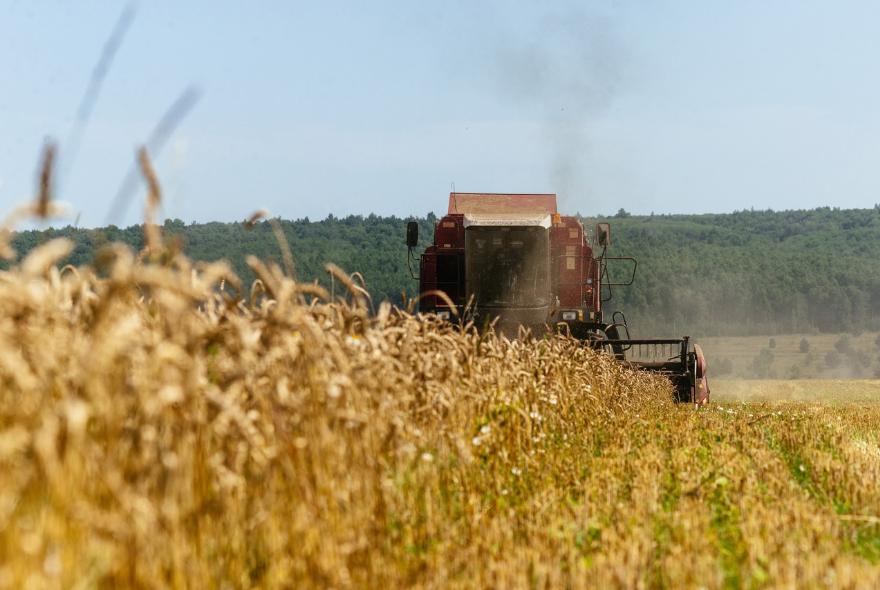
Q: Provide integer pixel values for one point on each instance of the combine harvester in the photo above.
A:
(509, 261)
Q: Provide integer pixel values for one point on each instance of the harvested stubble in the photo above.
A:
(156, 431)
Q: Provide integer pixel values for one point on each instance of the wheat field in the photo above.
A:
(162, 425)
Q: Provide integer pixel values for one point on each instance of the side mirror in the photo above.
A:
(412, 234)
(603, 234)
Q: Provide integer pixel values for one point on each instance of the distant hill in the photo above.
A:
(754, 272)
(749, 272)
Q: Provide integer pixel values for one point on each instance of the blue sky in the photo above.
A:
(313, 108)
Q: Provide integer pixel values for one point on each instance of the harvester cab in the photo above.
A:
(511, 261)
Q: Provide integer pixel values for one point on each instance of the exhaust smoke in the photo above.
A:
(570, 69)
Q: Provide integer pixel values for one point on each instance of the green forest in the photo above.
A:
(747, 272)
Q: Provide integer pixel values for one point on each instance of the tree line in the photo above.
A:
(747, 272)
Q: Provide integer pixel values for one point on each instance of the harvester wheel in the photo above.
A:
(701, 380)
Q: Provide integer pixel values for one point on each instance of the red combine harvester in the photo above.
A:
(507, 261)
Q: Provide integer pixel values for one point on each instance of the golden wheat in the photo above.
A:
(160, 426)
